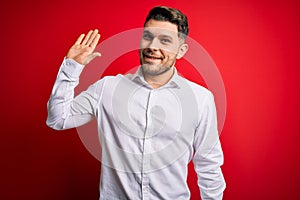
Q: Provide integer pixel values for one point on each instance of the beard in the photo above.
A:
(155, 70)
(154, 65)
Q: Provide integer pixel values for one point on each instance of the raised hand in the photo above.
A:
(83, 49)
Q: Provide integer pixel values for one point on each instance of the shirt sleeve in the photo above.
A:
(65, 111)
(208, 156)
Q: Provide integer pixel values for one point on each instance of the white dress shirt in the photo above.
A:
(148, 136)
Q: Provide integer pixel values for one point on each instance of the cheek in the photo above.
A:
(171, 51)
(144, 44)
(170, 55)
(169, 60)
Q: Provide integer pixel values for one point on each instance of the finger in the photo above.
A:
(96, 54)
(91, 57)
(87, 37)
(94, 34)
(79, 39)
(95, 41)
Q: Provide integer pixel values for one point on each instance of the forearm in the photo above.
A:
(210, 177)
(62, 96)
(208, 157)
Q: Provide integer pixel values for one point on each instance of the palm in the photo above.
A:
(82, 50)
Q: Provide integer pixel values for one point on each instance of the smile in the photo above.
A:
(152, 57)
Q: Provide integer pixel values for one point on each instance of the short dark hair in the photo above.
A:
(172, 15)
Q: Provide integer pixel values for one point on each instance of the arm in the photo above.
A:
(65, 111)
(208, 156)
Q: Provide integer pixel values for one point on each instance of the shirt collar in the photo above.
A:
(173, 82)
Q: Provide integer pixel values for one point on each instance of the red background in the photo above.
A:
(254, 44)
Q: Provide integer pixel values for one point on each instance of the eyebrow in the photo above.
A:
(160, 35)
(147, 32)
(166, 37)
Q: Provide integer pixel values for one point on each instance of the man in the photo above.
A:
(151, 124)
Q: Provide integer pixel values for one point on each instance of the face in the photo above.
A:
(160, 46)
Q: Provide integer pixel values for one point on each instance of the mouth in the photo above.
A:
(148, 57)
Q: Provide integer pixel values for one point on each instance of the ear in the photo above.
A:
(182, 50)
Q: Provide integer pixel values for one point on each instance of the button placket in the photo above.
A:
(146, 150)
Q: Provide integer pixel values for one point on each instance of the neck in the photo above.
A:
(156, 81)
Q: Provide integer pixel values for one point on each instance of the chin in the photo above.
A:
(149, 69)
(154, 70)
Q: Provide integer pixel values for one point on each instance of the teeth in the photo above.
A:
(152, 57)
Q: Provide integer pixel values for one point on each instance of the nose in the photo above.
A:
(154, 44)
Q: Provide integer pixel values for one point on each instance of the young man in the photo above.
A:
(151, 124)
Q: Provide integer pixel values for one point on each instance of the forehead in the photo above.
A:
(161, 28)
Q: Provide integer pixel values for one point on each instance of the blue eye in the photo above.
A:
(165, 41)
(147, 36)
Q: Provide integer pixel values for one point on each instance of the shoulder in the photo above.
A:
(108, 83)
(108, 80)
(197, 89)
(204, 97)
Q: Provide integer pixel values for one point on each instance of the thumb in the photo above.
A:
(91, 57)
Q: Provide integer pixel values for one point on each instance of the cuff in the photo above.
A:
(71, 67)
